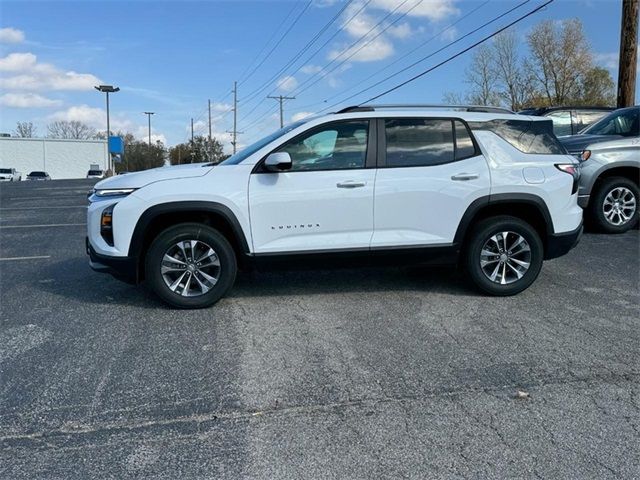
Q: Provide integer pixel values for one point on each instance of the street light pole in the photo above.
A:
(108, 89)
(148, 114)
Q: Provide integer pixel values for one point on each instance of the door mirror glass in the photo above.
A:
(278, 161)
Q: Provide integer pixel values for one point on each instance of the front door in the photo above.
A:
(325, 201)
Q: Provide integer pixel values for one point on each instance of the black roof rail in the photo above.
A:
(466, 108)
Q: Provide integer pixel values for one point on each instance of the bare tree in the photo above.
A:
(25, 130)
(70, 129)
(481, 75)
(515, 82)
(560, 59)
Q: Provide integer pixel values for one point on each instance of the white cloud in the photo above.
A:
(434, 10)
(287, 83)
(95, 117)
(300, 115)
(607, 60)
(309, 69)
(400, 31)
(27, 100)
(11, 35)
(28, 74)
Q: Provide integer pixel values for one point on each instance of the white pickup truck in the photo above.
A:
(10, 175)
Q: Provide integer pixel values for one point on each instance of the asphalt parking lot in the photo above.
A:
(370, 373)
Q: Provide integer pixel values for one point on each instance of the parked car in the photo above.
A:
(10, 175)
(609, 182)
(95, 174)
(493, 191)
(624, 122)
(38, 175)
(569, 120)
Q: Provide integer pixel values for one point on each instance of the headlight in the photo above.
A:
(113, 192)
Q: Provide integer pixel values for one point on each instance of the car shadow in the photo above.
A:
(73, 279)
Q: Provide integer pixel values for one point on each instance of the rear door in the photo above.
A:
(430, 170)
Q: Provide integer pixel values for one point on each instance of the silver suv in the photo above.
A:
(608, 188)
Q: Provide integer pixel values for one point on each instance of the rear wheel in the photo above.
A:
(504, 255)
(190, 265)
(614, 206)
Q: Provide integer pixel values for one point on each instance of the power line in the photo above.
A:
(426, 57)
(266, 44)
(461, 52)
(301, 52)
(293, 24)
(412, 51)
(281, 100)
(306, 60)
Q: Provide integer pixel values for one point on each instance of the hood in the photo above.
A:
(577, 143)
(145, 177)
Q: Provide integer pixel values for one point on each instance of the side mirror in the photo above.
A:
(278, 161)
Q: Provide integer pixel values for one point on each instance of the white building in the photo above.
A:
(59, 158)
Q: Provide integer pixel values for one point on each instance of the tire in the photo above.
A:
(602, 208)
(186, 282)
(525, 246)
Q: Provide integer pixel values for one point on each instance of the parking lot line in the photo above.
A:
(44, 225)
(21, 199)
(36, 257)
(42, 208)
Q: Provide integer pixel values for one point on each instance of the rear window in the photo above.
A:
(37, 174)
(528, 136)
(5, 170)
(95, 172)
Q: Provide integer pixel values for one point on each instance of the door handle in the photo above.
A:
(465, 176)
(350, 184)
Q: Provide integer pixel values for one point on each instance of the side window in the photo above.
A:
(527, 136)
(561, 122)
(464, 144)
(336, 146)
(413, 142)
(588, 117)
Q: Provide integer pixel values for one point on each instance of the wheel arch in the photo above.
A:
(528, 207)
(162, 216)
(629, 171)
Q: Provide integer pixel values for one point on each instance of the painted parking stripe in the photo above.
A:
(44, 226)
(37, 257)
(41, 208)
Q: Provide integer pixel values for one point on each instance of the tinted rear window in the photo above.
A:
(37, 174)
(526, 135)
(95, 172)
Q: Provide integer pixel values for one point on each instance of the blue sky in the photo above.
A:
(171, 56)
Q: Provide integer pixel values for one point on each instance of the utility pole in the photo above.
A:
(628, 54)
(281, 99)
(192, 131)
(235, 116)
(148, 114)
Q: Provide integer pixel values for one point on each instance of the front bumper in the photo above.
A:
(559, 244)
(122, 268)
(583, 201)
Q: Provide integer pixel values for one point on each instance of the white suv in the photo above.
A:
(492, 191)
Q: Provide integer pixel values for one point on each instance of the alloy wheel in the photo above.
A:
(619, 206)
(505, 257)
(190, 268)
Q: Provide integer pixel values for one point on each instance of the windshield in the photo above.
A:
(623, 122)
(5, 170)
(253, 148)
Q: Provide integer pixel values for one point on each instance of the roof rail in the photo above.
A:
(464, 108)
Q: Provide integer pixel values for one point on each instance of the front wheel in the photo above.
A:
(190, 265)
(504, 255)
(614, 206)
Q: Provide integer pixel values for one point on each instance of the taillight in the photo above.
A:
(572, 169)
